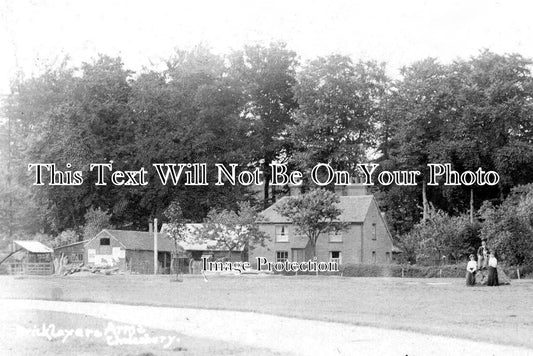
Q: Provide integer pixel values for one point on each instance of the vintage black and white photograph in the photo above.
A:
(273, 177)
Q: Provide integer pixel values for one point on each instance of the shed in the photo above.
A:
(31, 257)
(133, 251)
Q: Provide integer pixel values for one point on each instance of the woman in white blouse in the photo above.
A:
(471, 268)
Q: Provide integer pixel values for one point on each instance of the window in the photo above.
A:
(105, 241)
(282, 233)
(387, 256)
(373, 256)
(282, 256)
(335, 236)
(373, 231)
(335, 256)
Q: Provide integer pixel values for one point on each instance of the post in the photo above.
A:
(156, 263)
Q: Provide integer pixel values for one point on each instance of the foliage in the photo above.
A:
(176, 230)
(232, 229)
(95, 221)
(508, 228)
(267, 77)
(177, 224)
(338, 111)
(441, 238)
(253, 107)
(313, 213)
(65, 237)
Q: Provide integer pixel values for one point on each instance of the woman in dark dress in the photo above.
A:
(471, 268)
(493, 271)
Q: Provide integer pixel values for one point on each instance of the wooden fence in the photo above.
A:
(34, 268)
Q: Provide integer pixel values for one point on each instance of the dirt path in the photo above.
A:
(280, 334)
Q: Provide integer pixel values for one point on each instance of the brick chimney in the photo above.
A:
(295, 190)
(354, 189)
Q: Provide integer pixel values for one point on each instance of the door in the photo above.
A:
(298, 255)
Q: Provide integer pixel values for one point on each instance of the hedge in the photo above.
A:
(413, 271)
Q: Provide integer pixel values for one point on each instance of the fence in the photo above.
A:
(35, 268)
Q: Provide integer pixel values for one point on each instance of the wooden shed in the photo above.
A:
(31, 257)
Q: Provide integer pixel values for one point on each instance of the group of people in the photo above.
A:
(486, 260)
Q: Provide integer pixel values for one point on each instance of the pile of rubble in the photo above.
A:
(71, 269)
(63, 268)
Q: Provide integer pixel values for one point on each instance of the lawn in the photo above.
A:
(435, 306)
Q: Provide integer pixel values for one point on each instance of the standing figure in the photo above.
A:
(493, 271)
(471, 268)
(482, 256)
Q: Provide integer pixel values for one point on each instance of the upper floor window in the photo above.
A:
(282, 233)
(335, 236)
(374, 234)
(105, 241)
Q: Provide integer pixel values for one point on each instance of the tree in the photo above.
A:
(189, 112)
(77, 119)
(176, 231)
(508, 228)
(441, 235)
(313, 213)
(267, 75)
(232, 229)
(339, 103)
(64, 238)
(95, 221)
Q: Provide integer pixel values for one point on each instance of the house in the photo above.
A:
(31, 257)
(366, 240)
(133, 251)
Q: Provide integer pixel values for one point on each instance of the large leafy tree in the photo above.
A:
(77, 119)
(267, 76)
(440, 238)
(339, 104)
(508, 228)
(188, 113)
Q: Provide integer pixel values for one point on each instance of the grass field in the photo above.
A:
(434, 306)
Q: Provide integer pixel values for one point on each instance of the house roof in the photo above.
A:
(33, 246)
(71, 244)
(142, 240)
(139, 240)
(354, 209)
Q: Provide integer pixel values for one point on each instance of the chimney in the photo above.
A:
(356, 189)
(340, 190)
(295, 190)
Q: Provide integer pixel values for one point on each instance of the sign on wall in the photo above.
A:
(91, 255)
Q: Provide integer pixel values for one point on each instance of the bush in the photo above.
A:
(526, 271)
(409, 271)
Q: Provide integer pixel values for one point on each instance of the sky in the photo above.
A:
(38, 33)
